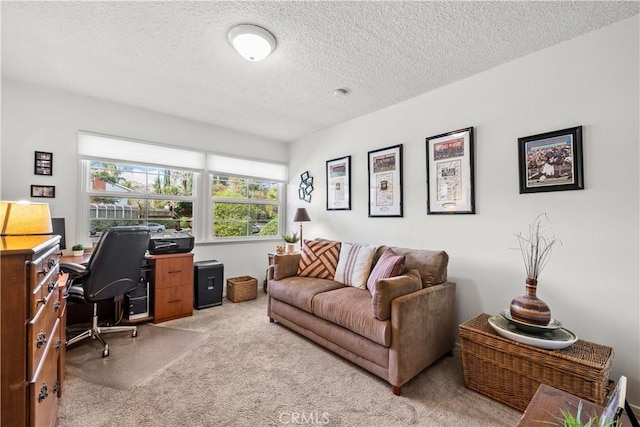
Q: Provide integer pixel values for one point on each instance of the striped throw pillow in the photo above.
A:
(389, 265)
(319, 259)
(354, 264)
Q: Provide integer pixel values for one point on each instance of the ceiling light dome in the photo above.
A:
(253, 43)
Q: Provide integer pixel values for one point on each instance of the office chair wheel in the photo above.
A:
(134, 333)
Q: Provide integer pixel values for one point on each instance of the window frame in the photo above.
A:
(280, 204)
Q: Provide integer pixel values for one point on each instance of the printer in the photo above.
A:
(170, 243)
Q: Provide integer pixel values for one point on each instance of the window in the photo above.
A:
(244, 206)
(129, 182)
(131, 194)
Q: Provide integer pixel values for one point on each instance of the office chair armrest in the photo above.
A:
(75, 270)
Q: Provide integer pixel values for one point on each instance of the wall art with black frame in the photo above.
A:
(43, 191)
(450, 173)
(339, 184)
(43, 163)
(551, 161)
(385, 182)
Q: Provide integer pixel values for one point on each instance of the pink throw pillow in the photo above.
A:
(389, 265)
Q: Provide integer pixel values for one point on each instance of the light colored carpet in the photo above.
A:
(249, 372)
(131, 360)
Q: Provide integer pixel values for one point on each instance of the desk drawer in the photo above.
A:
(172, 303)
(172, 272)
(40, 332)
(43, 388)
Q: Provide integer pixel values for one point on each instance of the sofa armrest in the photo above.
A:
(285, 266)
(423, 327)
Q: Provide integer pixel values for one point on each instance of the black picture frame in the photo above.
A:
(338, 179)
(306, 187)
(385, 182)
(48, 191)
(450, 173)
(551, 161)
(43, 163)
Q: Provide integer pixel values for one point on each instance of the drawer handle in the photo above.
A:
(52, 285)
(41, 300)
(44, 271)
(52, 262)
(44, 392)
(173, 301)
(56, 386)
(42, 339)
(56, 306)
(175, 271)
(58, 344)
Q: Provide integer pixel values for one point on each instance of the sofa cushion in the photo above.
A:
(350, 307)
(431, 264)
(386, 290)
(389, 265)
(319, 259)
(285, 265)
(354, 264)
(299, 291)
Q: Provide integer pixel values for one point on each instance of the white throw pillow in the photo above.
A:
(354, 264)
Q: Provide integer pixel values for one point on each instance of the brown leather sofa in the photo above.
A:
(394, 334)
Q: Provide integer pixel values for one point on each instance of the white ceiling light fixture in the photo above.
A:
(251, 42)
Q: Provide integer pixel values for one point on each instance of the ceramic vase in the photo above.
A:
(529, 308)
(291, 248)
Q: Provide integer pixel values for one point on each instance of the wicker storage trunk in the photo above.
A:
(242, 288)
(510, 372)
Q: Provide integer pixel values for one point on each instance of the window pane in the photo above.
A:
(244, 219)
(159, 215)
(230, 187)
(118, 177)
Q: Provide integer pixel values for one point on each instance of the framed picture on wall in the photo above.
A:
(551, 161)
(43, 191)
(385, 182)
(43, 163)
(450, 174)
(339, 184)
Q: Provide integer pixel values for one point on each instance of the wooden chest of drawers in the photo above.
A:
(172, 282)
(32, 330)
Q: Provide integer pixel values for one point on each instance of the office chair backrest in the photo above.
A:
(114, 266)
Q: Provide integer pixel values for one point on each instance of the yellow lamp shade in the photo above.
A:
(24, 218)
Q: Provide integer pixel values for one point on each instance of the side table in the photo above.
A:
(549, 402)
(511, 372)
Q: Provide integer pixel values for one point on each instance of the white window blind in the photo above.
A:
(243, 167)
(105, 147)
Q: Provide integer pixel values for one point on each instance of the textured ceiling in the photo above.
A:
(174, 57)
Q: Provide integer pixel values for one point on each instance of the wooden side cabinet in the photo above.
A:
(32, 341)
(172, 283)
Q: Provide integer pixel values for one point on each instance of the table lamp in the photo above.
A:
(301, 216)
(24, 218)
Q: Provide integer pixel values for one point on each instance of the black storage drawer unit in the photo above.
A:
(208, 280)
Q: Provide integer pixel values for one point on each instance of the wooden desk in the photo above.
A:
(548, 403)
(170, 279)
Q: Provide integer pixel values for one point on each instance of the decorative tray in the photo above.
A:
(527, 327)
(551, 340)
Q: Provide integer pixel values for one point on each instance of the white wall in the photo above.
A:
(35, 118)
(591, 282)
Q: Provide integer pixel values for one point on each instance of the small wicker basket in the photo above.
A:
(242, 288)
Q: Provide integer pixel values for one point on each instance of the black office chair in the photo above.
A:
(112, 271)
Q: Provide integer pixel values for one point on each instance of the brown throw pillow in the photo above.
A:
(319, 259)
(386, 290)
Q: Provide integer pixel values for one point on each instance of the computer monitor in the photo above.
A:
(58, 228)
